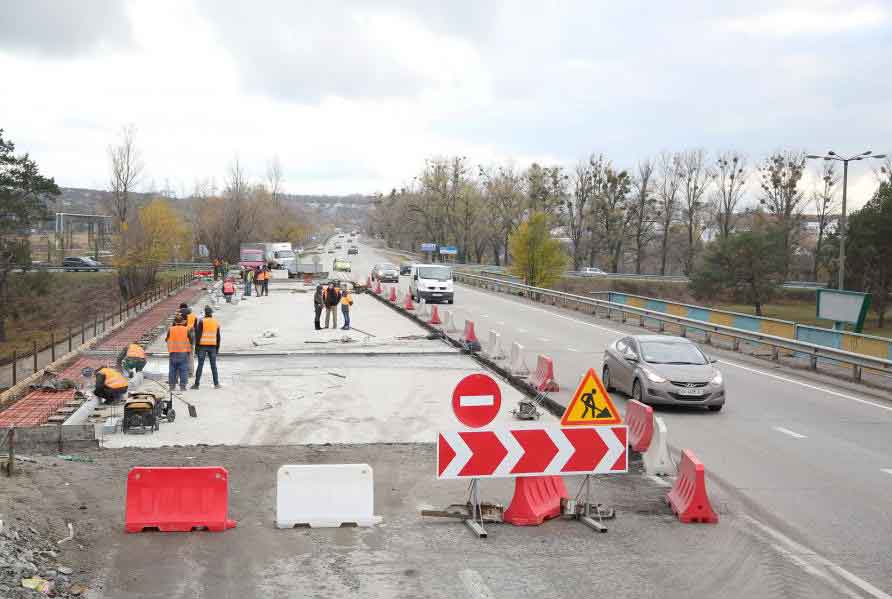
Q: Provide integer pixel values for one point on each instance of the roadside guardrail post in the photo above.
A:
(683, 331)
(775, 354)
(15, 365)
(662, 327)
(52, 347)
(736, 342)
(856, 373)
(34, 352)
(641, 320)
(95, 325)
(813, 362)
(707, 339)
(83, 333)
(70, 335)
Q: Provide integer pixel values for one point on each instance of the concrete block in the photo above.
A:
(325, 495)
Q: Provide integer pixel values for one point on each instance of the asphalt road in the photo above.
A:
(805, 457)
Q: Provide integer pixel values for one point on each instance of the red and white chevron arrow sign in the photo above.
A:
(503, 453)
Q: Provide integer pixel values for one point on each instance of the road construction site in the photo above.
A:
(379, 394)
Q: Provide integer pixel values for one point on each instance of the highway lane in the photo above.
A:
(807, 458)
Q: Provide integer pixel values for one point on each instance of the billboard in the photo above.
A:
(428, 247)
(448, 250)
(843, 306)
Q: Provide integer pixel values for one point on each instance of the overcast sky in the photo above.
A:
(354, 95)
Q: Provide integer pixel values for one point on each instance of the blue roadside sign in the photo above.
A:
(428, 247)
(448, 250)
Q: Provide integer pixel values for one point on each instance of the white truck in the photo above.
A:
(278, 254)
(432, 283)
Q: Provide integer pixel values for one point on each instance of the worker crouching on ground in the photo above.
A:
(228, 289)
(132, 358)
(110, 385)
(207, 333)
(346, 306)
(317, 305)
(179, 348)
(331, 297)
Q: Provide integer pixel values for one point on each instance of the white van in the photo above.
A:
(431, 282)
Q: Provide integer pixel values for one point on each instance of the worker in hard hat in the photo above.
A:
(111, 385)
(207, 344)
(132, 358)
(179, 347)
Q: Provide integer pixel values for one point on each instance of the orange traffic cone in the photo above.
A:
(408, 305)
(435, 316)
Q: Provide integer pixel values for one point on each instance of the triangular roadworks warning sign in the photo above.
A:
(590, 405)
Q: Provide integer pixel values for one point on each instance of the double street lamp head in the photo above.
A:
(831, 155)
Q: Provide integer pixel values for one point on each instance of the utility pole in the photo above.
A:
(831, 155)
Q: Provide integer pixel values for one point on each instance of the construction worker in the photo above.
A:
(132, 357)
(207, 344)
(331, 297)
(258, 280)
(179, 347)
(111, 385)
(216, 268)
(191, 319)
(267, 275)
(317, 305)
(346, 306)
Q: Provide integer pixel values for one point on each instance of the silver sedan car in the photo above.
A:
(656, 369)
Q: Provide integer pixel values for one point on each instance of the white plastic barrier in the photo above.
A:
(518, 365)
(656, 459)
(494, 347)
(422, 308)
(325, 495)
(449, 322)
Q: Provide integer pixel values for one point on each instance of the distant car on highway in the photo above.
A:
(338, 246)
(76, 263)
(659, 369)
(352, 250)
(591, 271)
(340, 265)
(405, 268)
(386, 273)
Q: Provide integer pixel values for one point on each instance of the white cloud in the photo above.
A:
(808, 20)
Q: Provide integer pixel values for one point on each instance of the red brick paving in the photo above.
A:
(35, 408)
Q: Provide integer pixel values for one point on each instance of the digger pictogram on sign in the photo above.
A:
(590, 404)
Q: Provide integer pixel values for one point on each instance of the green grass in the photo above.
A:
(804, 313)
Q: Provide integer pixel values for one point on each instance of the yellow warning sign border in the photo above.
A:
(617, 419)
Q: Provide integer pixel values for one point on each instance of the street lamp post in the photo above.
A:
(831, 155)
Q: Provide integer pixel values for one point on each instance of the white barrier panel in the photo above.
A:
(325, 495)
(656, 458)
(518, 365)
(494, 347)
(422, 308)
(449, 322)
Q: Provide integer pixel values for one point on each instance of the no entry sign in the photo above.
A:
(476, 400)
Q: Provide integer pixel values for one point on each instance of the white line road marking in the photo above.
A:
(474, 584)
(787, 431)
(501, 323)
(806, 554)
(886, 470)
(544, 339)
(521, 330)
(572, 349)
(476, 400)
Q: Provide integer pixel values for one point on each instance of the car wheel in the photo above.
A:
(717, 408)
(605, 378)
(636, 391)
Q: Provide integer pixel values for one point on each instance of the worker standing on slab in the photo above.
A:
(207, 333)
(267, 275)
(132, 357)
(346, 306)
(216, 268)
(331, 297)
(190, 319)
(258, 280)
(111, 385)
(317, 306)
(179, 349)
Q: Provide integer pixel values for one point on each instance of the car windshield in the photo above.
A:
(250, 255)
(437, 273)
(663, 352)
(387, 267)
(285, 254)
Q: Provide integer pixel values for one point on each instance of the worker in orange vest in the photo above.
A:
(191, 319)
(179, 348)
(132, 357)
(217, 263)
(258, 280)
(111, 385)
(207, 344)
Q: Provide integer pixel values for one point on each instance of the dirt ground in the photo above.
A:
(647, 553)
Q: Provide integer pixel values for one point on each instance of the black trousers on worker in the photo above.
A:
(265, 286)
(318, 308)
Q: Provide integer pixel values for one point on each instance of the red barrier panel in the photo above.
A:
(640, 419)
(543, 379)
(308, 279)
(378, 288)
(407, 304)
(435, 316)
(368, 281)
(536, 499)
(469, 338)
(177, 499)
(392, 297)
(688, 497)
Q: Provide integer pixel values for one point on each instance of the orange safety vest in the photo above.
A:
(209, 328)
(190, 320)
(178, 340)
(136, 351)
(113, 378)
(347, 299)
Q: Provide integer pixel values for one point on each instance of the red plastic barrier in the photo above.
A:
(640, 419)
(469, 338)
(536, 499)
(368, 281)
(543, 379)
(378, 288)
(392, 297)
(435, 316)
(688, 497)
(177, 499)
(308, 279)
(407, 304)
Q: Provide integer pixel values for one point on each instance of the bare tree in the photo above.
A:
(884, 172)
(239, 216)
(126, 169)
(730, 179)
(781, 196)
(610, 212)
(642, 210)
(668, 187)
(586, 183)
(824, 200)
(695, 178)
(503, 193)
(274, 179)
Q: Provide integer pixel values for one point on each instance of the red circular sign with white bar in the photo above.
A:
(476, 400)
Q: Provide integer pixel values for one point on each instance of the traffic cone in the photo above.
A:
(435, 316)
(408, 305)
(469, 338)
(368, 281)
(392, 297)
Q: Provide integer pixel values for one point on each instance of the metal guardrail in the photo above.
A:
(812, 351)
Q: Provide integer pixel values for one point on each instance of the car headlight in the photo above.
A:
(717, 379)
(652, 376)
